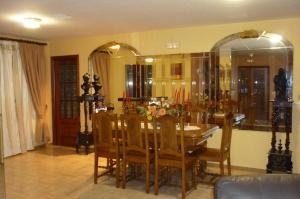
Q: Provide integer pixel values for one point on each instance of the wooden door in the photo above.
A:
(254, 93)
(65, 92)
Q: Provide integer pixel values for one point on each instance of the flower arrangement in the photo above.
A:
(153, 111)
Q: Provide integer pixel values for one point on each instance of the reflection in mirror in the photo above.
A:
(246, 64)
(138, 79)
(169, 73)
(114, 58)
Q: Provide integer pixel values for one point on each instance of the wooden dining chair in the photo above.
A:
(106, 142)
(135, 145)
(198, 115)
(170, 151)
(223, 153)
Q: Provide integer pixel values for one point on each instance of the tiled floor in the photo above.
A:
(2, 188)
(58, 172)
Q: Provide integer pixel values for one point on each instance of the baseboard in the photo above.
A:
(241, 168)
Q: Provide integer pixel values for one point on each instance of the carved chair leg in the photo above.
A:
(222, 168)
(111, 165)
(194, 176)
(124, 174)
(229, 166)
(183, 182)
(156, 174)
(117, 172)
(147, 177)
(96, 169)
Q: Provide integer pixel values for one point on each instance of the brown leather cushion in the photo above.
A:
(270, 186)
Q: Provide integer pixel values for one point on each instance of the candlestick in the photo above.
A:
(178, 96)
(183, 96)
(128, 97)
(188, 102)
(124, 97)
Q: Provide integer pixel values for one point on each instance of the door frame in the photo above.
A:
(53, 87)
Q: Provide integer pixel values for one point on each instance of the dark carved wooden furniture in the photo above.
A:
(90, 103)
(279, 159)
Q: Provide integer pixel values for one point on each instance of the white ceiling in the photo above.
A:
(72, 18)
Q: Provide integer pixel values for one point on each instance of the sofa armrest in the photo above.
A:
(272, 186)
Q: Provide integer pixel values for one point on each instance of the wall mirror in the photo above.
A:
(187, 73)
(119, 59)
(148, 76)
(245, 65)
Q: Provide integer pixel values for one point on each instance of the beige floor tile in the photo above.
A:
(58, 172)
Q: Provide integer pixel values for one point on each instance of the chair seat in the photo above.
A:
(211, 154)
(174, 161)
(137, 156)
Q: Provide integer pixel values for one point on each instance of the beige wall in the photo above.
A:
(249, 148)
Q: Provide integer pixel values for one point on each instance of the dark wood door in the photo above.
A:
(65, 92)
(254, 93)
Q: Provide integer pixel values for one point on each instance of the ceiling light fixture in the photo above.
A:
(114, 49)
(276, 38)
(149, 59)
(32, 23)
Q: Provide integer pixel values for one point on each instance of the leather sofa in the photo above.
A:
(269, 186)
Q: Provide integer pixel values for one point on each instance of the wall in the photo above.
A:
(249, 148)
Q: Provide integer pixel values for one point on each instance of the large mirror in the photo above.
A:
(154, 76)
(245, 65)
(116, 64)
(240, 67)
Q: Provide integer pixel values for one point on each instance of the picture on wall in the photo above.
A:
(176, 71)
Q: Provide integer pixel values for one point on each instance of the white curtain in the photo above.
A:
(18, 114)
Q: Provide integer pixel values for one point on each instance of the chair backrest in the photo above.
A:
(168, 139)
(132, 132)
(199, 115)
(105, 126)
(226, 133)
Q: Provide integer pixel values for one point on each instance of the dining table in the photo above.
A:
(194, 134)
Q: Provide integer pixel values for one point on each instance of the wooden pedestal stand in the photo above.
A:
(90, 102)
(278, 159)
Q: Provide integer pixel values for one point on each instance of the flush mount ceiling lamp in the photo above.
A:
(272, 37)
(149, 60)
(275, 38)
(32, 23)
